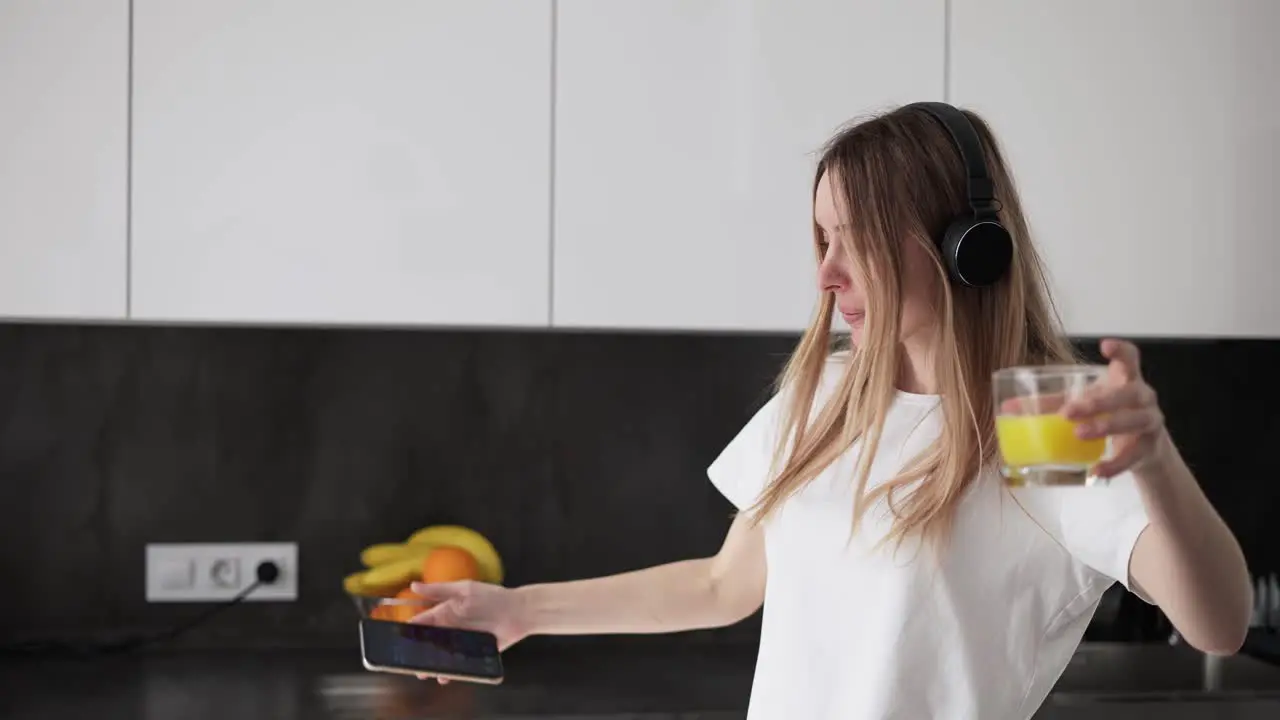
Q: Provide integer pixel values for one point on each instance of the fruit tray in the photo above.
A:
(440, 553)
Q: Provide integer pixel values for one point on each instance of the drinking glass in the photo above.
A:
(1038, 445)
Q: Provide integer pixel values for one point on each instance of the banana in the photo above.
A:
(354, 584)
(392, 566)
(478, 545)
(388, 579)
(384, 553)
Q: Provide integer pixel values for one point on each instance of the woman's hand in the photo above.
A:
(1123, 406)
(473, 606)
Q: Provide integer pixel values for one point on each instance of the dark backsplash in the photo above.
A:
(577, 454)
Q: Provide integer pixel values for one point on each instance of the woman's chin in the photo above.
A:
(855, 327)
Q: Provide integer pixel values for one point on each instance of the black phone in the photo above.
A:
(451, 653)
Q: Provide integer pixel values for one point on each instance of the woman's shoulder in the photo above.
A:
(837, 363)
(834, 368)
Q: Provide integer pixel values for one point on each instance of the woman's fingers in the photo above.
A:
(445, 614)
(1130, 396)
(437, 592)
(1122, 461)
(1121, 422)
(1124, 357)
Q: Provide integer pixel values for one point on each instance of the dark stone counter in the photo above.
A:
(1104, 681)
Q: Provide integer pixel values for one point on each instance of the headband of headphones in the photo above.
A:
(981, 188)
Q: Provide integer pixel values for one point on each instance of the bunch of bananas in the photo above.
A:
(391, 567)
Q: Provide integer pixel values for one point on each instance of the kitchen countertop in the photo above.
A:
(1103, 681)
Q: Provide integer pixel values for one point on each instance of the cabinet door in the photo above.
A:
(1146, 141)
(64, 80)
(327, 161)
(686, 137)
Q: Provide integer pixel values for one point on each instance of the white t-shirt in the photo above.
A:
(851, 634)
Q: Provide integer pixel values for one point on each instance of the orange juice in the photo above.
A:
(1049, 440)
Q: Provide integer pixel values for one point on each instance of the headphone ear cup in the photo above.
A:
(977, 252)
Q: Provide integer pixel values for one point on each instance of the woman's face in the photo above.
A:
(839, 274)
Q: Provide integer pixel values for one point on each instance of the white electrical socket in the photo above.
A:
(211, 572)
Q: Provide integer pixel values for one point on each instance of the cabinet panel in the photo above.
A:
(686, 136)
(64, 77)
(1146, 140)
(322, 161)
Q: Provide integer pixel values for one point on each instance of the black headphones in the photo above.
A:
(976, 247)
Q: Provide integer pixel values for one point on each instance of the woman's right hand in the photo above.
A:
(471, 605)
(674, 597)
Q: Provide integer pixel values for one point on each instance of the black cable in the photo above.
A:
(267, 573)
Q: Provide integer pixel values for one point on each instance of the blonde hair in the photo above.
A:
(903, 179)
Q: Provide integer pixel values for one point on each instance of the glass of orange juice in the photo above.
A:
(1038, 444)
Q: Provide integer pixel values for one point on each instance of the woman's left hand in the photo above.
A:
(1124, 407)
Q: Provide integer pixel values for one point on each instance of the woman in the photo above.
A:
(904, 579)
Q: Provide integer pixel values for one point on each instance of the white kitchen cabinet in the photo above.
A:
(1146, 140)
(64, 79)
(328, 161)
(686, 137)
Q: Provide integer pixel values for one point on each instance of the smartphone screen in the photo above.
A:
(450, 652)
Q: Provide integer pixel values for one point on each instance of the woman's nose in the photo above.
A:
(832, 276)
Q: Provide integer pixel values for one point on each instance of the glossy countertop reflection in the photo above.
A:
(333, 684)
(1103, 681)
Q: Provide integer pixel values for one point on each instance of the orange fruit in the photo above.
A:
(405, 613)
(400, 613)
(448, 563)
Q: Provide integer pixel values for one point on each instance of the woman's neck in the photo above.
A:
(916, 371)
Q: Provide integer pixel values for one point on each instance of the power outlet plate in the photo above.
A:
(212, 572)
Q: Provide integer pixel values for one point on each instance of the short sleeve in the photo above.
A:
(1098, 525)
(741, 471)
